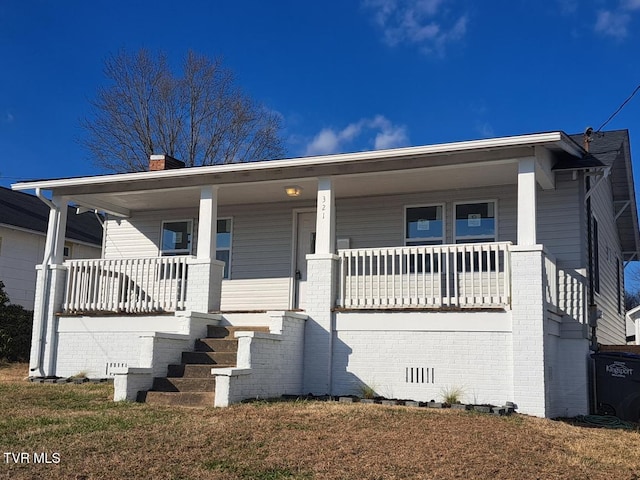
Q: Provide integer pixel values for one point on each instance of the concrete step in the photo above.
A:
(216, 345)
(183, 399)
(194, 371)
(173, 384)
(217, 331)
(210, 358)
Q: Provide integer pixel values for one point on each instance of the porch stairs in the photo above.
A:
(190, 383)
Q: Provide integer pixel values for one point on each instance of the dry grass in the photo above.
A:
(97, 438)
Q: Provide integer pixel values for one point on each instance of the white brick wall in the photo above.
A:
(528, 316)
(269, 364)
(320, 298)
(88, 344)
(479, 363)
(566, 370)
(204, 285)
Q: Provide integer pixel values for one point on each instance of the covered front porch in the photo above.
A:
(419, 228)
(382, 260)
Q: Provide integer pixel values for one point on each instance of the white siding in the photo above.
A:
(139, 236)
(261, 240)
(560, 227)
(611, 327)
(255, 294)
(379, 221)
(260, 251)
(20, 252)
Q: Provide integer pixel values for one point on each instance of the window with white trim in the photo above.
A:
(176, 237)
(475, 222)
(223, 244)
(424, 225)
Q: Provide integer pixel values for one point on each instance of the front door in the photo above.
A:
(306, 244)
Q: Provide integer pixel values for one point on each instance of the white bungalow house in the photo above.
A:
(23, 230)
(489, 265)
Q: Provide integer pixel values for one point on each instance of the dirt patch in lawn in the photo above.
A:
(96, 438)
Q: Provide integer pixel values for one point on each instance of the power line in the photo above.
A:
(619, 108)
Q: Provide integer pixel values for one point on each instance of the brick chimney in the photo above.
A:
(164, 162)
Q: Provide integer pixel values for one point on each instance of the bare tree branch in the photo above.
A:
(201, 117)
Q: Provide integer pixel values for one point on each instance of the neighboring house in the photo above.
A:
(23, 230)
(490, 266)
(633, 326)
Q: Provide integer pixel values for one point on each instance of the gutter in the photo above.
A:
(40, 307)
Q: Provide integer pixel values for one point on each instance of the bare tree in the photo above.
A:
(201, 117)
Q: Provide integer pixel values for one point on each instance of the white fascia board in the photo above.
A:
(556, 138)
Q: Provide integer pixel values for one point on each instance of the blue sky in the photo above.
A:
(343, 75)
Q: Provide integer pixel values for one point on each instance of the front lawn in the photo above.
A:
(77, 432)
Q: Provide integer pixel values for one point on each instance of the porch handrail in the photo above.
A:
(129, 285)
(459, 275)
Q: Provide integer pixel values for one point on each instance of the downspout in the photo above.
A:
(44, 298)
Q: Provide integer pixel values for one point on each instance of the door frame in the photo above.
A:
(294, 253)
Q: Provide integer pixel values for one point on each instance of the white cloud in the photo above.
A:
(423, 23)
(631, 4)
(381, 133)
(567, 7)
(388, 135)
(7, 117)
(613, 23)
(485, 129)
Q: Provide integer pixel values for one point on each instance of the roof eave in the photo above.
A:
(557, 139)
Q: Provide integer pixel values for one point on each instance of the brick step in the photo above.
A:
(190, 383)
(210, 358)
(173, 384)
(217, 331)
(194, 371)
(183, 399)
(216, 345)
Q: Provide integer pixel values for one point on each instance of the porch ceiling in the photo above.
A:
(349, 185)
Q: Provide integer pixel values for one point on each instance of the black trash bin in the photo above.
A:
(617, 376)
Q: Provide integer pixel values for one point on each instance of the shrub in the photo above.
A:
(15, 330)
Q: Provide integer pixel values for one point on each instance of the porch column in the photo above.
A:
(528, 300)
(204, 284)
(321, 295)
(527, 201)
(207, 223)
(325, 217)
(50, 284)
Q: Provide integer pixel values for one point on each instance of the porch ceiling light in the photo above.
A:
(293, 191)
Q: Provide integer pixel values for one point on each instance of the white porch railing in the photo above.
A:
(131, 285)
(463, 275)
(550, 284)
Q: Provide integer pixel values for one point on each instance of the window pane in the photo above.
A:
(424, 222)
(176, 236)
(223, 238)
(475, 220)
(223, 256)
